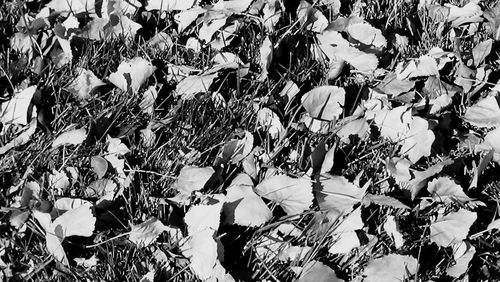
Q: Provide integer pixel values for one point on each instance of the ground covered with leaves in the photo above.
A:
(249, 140)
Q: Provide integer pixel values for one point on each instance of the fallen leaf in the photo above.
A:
(383, 200)
(311, 18)
(84, 84)
(73, 137)
(344, 242)
(391, 227)
(169, 5)
(324, 102)
(481, 51)
(271, 122)
(390, 268)
(146, 233)
(452, 228)
(266, 56)
(444, 189)
(462, 253)
(337, 194)
(192, 178)
(75, 222)
(393, 124)
(99, 165)
(294, 195)
(15, 111)
(418, 140)
(205, 216)
(317, 271)
(366, 34)
(131, 74)
(485, 113)
(243, 206)
(192, 85)
(21, 139)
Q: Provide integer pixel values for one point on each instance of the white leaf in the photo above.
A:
(192, 178)
(116, 147)
(21, 139)
(344, 242)
(485, 113)
(201, 249)
(148, 100)
(294, 195)
(87, 263)
(63, 205)
(357, 127)
(385, 201)
(192, 85)
(266, 56)
(243, 206)
(146, 233)
(73, 137)
(317, 271)
(121, 26)
(337, 194)
(324, 102)
(208, 29)
(169, 5)
(205, 216)
(444, 189)
(418, 140)
(481, 51)
(58, 180)
(463, 253)
(423, 66)
(452, 228)
(393, 124)
(99, 166)
(84, 84)
(15, 111)
(399, 168)
(76, 222)
(367, 35)
(391, 227)
(390, 268)
(311, 18)
(72, 6)
(185, 18)
(131, 74)
(270, 121)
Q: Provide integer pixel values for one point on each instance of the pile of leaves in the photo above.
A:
(249, 140)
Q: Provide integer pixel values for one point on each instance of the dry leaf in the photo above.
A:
(192, 85)
(324, 102)
(390, 268)
(452, 228)
(444, 189)
(15, 111)
(294, 195)
(84, 84)
(485, 113)
(73, 137)
(131, 74)
(243, 206)
(192, 178)
(146, 233)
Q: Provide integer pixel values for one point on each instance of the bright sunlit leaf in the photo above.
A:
(294, 195)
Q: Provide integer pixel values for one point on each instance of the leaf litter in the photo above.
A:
(249, 140)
